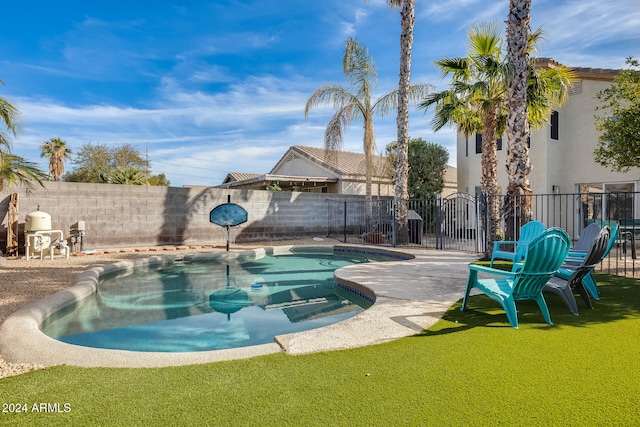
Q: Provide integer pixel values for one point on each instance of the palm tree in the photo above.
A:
(354, 103)
(532, 94)
(129, 175)
(478, 91)
(450, 108)
(518, 164)
(407, 21)
(16, 170)
(478, 98)
(57, 151)
(9, 115)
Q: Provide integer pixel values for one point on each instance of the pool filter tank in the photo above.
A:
(40, 239)
(35, 242)
(37, 221)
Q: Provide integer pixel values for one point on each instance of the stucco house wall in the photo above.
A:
(562, 165)
(297, 166)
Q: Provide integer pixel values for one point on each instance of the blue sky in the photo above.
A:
(211, 87)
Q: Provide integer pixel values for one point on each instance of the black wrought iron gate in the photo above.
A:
(452, 222)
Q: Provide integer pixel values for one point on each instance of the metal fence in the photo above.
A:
(575, 211)
(459, 222)
(442, 223)
(361, 221)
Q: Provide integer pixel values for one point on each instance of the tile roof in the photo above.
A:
(350, 163)
(240, 176)
(344, 163)
(580, 72)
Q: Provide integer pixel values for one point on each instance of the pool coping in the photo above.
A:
(410, 295)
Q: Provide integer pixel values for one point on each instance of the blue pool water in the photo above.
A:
(212, 305)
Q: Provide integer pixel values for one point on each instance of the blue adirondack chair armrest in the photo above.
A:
(516, 267)
(564, 273)
(475, 268)
(504, 242)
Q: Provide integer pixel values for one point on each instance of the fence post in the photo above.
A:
(394, 234)
(484, 219)
(478, 225)
(344, 224)
(438, 220)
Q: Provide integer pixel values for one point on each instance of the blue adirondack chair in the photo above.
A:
(527, 233)
(571, 275)
(544, 255)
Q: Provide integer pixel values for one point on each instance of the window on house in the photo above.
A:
(554, 125)
(620, 202)
(479, 143)
(608, 201)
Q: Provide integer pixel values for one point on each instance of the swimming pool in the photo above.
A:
(213, 303)
(410, 296)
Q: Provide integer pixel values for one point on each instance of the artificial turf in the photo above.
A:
(470, 368)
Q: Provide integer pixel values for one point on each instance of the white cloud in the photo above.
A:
(578, 32)
(202, 117)
(192, 137)
(444, 9)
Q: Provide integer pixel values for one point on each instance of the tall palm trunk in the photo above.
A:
(489, 180)
(407, 21)
(517, 203)
(56, 167)
(369, 147)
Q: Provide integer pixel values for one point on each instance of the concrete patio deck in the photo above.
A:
(411, 295)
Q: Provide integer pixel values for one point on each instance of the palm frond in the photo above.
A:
(438, 99)
(387, 103)
(129, 175)
(450, 107)
(16, 170)
(434, 98)
(458, 67)
(5, 141)
(533, 39)
(492, 67)
(419, 91)
(460, 112)
(443, 115)
(330, 93)
(340, 121)
(358, 66)
(547, 88)
(485, 39)
(559, 81)
(9, 116)
(394, 4)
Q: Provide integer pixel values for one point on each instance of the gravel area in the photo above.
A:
(22, 281)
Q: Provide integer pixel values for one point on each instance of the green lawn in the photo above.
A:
(470, 369)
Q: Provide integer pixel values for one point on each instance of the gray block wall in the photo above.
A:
(120, 216)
